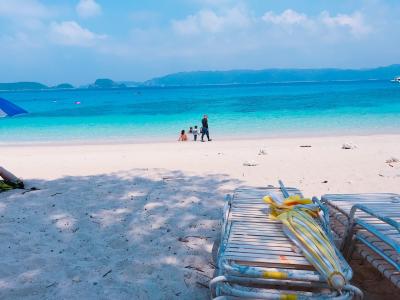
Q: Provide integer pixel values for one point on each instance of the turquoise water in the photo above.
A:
(140, 114)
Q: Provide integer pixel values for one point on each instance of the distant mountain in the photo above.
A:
(63, 86)
(131, 83)
(199, 78)
(272, 75)
(106, 84)
(98, 84)
(17, 86)
(31, 86)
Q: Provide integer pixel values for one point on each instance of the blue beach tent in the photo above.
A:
(8, 109)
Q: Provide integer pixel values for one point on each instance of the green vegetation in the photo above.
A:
(106, 84)
(16, 86)
(272, 75)
(64, 86)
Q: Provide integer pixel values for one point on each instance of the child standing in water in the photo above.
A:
(195, 133)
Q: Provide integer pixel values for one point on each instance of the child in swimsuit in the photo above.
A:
(183, 136)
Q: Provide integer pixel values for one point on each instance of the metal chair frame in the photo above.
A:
(366, 224)
(249, 257)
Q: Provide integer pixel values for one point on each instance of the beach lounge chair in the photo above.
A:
(256, 260)
(368, 224)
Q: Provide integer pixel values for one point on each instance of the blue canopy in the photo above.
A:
(8, 109)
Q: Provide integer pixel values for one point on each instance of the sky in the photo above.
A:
(55, 41)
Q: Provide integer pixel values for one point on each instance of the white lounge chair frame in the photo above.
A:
(256, 260)
(369, 225)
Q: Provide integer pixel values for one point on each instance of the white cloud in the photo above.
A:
(190, 25)
(288, 17)
(88, 8)
(355, 22)
(71, 33)
(211, 22)
(19, 41)
(23, 9)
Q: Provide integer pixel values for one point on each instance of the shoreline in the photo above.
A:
(219, 138)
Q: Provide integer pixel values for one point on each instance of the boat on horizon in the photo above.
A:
(396, 79)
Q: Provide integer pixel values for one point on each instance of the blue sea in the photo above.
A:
(235, 111)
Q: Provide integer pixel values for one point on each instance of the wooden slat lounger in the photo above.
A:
(256, 260)
(370, 225)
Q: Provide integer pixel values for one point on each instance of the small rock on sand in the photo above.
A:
(348, 146)
(262, 152)
(392, 160)
(250, 164)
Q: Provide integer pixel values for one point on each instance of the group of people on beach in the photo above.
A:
(195, 132)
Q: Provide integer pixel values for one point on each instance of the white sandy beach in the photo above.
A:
(137, 221)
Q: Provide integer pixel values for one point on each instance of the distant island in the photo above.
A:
(33, 86)
(17, 86)
(64, 86)
(273, 75)
(106, 84)
(199, 78)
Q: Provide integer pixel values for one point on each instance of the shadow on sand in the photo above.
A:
(141, 234)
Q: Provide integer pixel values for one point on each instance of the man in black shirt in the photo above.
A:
(204, 130)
